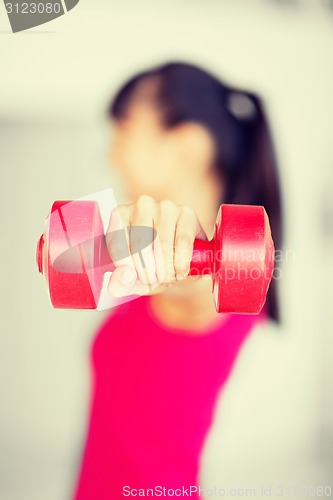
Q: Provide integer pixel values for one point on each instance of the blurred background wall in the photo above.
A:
(55, 83)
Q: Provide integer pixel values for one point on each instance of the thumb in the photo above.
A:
(122, 281)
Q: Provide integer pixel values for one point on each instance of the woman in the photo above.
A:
(184, 142)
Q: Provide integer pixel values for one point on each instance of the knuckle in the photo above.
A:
(144, 202)
(120, 210)
(118, 215)
(168, 205)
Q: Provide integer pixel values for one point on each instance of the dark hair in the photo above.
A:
(236, 119)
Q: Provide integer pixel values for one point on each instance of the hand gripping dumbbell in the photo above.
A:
(73, 257)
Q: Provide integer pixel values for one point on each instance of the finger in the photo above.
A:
(188, 228)
(159, 261)
(122, 281)
(117, 236)
(117, 242)
(164, 244)
(142, 235)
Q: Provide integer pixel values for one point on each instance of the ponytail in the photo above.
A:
(256, 182)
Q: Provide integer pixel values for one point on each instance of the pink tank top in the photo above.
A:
(153, 400)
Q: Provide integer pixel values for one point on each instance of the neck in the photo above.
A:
(188, 305)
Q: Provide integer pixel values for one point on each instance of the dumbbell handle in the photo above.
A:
(202, 261)
(73, 256)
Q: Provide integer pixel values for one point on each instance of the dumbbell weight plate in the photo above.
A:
(244, 259)
(69, 254)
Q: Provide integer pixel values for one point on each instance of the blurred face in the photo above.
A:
(159, 162)
(145, 154)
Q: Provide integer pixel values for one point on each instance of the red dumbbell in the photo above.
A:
(73, 257)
